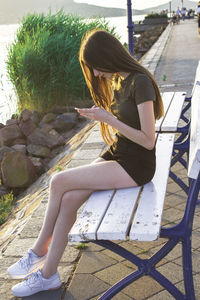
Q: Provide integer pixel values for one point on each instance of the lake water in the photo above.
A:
(8, 98)
(7, 94)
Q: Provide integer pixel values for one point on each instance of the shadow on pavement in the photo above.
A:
(46, 295)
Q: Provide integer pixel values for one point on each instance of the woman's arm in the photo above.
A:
(144, 137)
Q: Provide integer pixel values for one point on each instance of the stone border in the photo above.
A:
(151, 58)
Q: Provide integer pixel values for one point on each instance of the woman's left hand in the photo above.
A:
(95, 113)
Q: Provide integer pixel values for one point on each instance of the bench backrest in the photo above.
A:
(197, 77)
(173, 105)
(194, 151)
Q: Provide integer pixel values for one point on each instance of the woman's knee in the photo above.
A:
(56, 182)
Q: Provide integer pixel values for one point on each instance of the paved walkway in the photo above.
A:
(88, 273)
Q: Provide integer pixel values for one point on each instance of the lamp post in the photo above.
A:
(170, 9)
(130, 28)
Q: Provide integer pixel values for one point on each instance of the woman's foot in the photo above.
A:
(26, 265)
(35, 283)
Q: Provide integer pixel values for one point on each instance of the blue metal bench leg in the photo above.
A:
(145, 267)
(187, 270)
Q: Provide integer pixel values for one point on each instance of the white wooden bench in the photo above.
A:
(173, 107)
(108, 214)
(135, 214)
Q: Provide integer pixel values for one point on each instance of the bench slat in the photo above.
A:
(197, 77)
(194, 153)
(170, 123)
(167, 98)
(147, 221)
(116, 222)
(90, 218)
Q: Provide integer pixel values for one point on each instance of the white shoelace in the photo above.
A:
(32, 278)
(25, 262)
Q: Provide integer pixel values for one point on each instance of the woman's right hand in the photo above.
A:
(95, 113)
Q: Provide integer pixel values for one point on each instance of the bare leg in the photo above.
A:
(71, 202)
(40, 247)
(101, 176)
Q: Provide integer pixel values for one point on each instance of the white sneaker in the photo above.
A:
(35, 283)
(26, 265)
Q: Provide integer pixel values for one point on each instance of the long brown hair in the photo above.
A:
(104, 52)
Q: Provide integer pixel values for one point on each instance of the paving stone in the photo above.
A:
(79, 162)
(195, 239)
(32, 228)
(113, 255)
(91, 262)
(119, 296)
(114, 273)
(93, 247)
(173, 200)
(172, 214)
(87, 154)
(173, 254)
(46, 295)
(93, 145)
(70, 255)
(173, 188)
(19, 247)
(195, 261)
(65, 272)
(6, 262)
(40, 211)
(85, 286)
(143, 288)
(164, 295)
(171, 271)
(196, 223)
(5, 290)
(144, 245)
(181, 206)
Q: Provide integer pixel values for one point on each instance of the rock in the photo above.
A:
(65, 121)
(38, 164)
(19, 142)
(17, 170)
(39, 137)
(38, 150)
(20, 148)
(50, 117)
(36, 117)
(2, 125)
(46, 127)
(4, 150)
(25, 115)
(9, 133)
(11, 122)
(27, 127)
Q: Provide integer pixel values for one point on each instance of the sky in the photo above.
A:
(137, 4)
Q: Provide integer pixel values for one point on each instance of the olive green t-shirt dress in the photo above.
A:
(138, 162)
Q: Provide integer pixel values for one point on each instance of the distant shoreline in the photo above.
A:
(12, 12)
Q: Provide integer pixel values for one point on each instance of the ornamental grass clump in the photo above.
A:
(43, 61)
(6, 204)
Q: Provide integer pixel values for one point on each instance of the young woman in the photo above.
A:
(127, 102)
